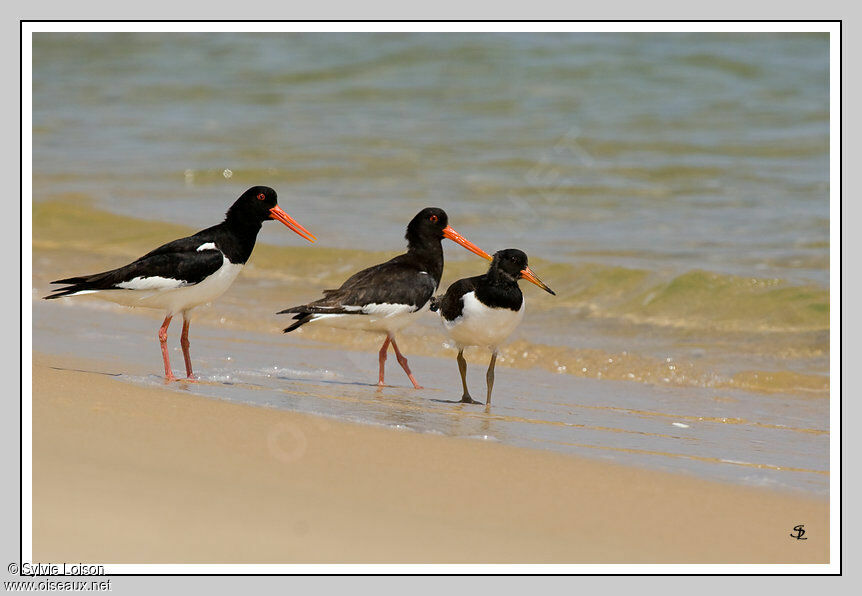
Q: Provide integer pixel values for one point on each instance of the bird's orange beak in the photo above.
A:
(528, 274)
(456, 237)
(277, 213)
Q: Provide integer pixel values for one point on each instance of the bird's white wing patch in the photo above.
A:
(345, 307)
(207, 246)
(385, 309)
(152, 283)
(389, 318)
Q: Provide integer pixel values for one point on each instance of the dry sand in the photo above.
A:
(129, 474)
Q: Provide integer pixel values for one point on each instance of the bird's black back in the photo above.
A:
(406, 279)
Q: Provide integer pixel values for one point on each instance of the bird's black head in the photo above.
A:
(259, 204)
(511, 263)
(427, 225)
(254, 205)
(431, 225)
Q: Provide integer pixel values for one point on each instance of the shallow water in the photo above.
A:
(703, 151)
(730, 435)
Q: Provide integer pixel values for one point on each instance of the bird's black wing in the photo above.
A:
(183, 262)
(398, 282)
(450, 304)
(388, 283)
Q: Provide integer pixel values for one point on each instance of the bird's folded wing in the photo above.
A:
(381, 290)
(451, 303)
(159, 271)
(200, 242)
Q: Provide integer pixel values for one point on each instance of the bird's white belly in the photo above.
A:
(383, 318)
(177, 299)
(481, 325)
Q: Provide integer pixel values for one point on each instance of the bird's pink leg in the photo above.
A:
(403, 362)
(163, 339)
(184, 342)
(382, 359)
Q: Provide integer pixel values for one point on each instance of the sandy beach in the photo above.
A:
(132, 474)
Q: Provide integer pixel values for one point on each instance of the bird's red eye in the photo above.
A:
(433, 219)
(261, 197)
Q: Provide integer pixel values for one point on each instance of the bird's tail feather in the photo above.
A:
(61, 292)
(83, 283)
(308, 312)
(71, 290)
(301, 319)
(73, 280)
(319, 309)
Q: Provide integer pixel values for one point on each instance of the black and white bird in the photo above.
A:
(386, 297)
(188, 272)
(485, 310)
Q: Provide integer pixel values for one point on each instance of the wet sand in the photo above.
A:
(131, 474)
